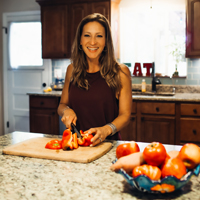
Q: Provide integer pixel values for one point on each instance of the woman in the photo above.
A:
(97, 92)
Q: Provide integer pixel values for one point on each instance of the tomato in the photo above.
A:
(154, 154)
(190, 155)
(173, 167)
(152, 172)
(126, 149)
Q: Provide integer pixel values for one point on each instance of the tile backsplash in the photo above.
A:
(193, 73)
(59, 67)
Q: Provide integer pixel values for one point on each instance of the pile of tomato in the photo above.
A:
(155, 162)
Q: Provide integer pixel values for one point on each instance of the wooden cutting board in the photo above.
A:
(35, 148)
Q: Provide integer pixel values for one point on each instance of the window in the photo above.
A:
(153, 31)
(25, 44)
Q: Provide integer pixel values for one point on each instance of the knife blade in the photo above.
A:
(76, 130)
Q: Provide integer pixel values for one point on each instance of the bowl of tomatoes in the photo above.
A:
(160, 171)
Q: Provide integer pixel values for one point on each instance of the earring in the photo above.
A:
(105, 49)
(80, 47)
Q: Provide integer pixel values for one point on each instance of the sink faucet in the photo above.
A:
(155, 80)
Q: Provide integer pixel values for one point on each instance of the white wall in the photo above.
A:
(5, 7)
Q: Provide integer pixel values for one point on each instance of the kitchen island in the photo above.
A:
(32, 178)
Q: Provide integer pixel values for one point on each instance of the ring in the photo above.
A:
(100, 139)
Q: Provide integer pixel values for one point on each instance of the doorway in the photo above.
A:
(22, 78)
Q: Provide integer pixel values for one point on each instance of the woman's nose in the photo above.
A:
(93, 40)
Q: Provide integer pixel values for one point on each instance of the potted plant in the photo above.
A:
(178, 49)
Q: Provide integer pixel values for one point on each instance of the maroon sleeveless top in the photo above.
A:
(96, 106)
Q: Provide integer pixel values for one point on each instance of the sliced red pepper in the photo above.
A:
(69, 140)
(54, 144)
(85, 140)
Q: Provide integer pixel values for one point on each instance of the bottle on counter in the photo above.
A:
(143, 85)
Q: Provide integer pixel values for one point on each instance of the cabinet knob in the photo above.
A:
(195, 111)
(157, 109)
(142, 118)
(133, 118)
(53, 113)
(65, 55)
(44, 84)
(41, 103)
(194, 131)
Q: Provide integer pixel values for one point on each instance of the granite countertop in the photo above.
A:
(32, 178)
(183, 97)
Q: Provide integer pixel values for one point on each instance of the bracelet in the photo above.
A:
(64, 110)
(113, 127)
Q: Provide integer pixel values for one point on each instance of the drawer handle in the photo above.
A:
(195, 132)
(157, 109)
(53, 113)
(142, 118)
(41, 103)
(195, 111)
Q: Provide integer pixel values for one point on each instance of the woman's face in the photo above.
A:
(93, 39)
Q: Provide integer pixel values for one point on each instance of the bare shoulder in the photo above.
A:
(69, 71)
(125, 72)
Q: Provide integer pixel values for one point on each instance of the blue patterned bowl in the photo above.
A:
(165, 185)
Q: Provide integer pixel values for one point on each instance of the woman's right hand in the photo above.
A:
(68, 117)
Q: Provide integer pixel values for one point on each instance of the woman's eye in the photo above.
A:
(99, 36)
(86, 35)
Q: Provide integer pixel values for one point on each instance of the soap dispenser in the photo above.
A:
(143, 85)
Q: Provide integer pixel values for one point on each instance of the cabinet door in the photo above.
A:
(78, 12)
(128, 133)
(193, 29)
(54, 31)
(158, 129)
(190, 130)
(44, 121)
(102, 7)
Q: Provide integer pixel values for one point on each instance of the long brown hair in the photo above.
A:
(109, 67)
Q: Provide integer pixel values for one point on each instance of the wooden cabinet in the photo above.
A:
(190, 123)
(193, 29)
(43, 115)
(55, 36)
(129, 132)
(60, 20)
(156, 122)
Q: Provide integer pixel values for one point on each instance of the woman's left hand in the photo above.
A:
(100, 134)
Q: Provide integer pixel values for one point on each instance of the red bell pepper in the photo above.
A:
(69, 140)
(85, 140)
(54, 144)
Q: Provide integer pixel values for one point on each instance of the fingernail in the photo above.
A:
(91, 145)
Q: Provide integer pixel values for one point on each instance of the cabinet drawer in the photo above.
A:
(190, 109)
(133, 110)
(158, 108)
(190, 130)
(43, 102)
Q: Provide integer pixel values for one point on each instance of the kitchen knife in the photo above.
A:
(75, 130)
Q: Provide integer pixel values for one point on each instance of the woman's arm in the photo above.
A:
(67, 114)
(125, 99)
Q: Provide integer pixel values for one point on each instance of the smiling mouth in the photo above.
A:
(93, 49)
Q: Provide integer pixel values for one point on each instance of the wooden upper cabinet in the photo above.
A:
(60, 19)
(54, 33)
(101, 7)
(193, 29)
(77, 13)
